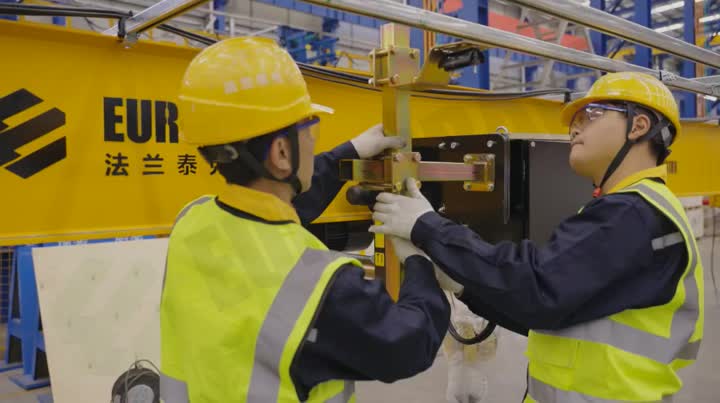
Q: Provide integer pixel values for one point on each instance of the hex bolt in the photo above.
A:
(468, 158)
(491, 187)
(417, 157)
(442, 146)
(467, 186)
(490, 143)
(454, 145)
(532, 144)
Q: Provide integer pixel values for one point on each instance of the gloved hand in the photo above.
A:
(447, 283)
(372, 142)
(398, 213)
(404, 249)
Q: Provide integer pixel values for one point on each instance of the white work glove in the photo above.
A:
(404, 249)
(447, 283)
(398, 213)
(372, 142)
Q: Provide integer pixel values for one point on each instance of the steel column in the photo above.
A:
(643, 55)
(599, 39)
(479, 76)
(220, 5)
(688, 102)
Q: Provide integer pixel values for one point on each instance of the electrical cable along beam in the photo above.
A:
(610, 24)
(155, 15)
(492, 37)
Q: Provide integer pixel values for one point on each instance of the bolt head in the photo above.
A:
(467, 186)
(491, 187)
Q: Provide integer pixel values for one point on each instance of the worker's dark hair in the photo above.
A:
(237, 171)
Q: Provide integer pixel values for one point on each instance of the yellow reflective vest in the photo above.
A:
(239, 299)
(634, 355)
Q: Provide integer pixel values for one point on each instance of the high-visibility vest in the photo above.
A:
(634, 355)
(239, 299)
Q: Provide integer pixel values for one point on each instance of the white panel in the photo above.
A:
(99, 305)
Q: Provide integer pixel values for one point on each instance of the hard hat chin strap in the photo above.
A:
(660, 128)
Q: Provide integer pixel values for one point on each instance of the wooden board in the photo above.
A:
(99, 305)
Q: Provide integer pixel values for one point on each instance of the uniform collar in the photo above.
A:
(260, 204)
(656, 172)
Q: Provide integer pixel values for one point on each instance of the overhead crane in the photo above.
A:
(494, 161)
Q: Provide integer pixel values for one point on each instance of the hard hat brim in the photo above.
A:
(322, 109)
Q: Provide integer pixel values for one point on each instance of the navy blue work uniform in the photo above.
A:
(362, 334)
(596, 263)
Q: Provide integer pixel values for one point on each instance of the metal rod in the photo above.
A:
(610, 24)
(428, 20)
(155, 15)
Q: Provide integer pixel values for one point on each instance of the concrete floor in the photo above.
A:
(506, 372)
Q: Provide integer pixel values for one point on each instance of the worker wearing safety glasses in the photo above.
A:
(613, 303)
(254, 307)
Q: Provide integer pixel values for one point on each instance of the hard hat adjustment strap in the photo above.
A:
(249, 159)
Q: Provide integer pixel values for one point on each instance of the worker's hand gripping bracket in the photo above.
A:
(396, 69)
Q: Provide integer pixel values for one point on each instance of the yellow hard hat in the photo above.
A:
(241, 88)
(639, 88)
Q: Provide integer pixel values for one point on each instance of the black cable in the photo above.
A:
(477, 338)
(25, 9)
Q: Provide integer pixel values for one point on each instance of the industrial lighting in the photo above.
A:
(711, 98)
(673, 27)
(670, 27)
(710, 18)
(671, 6)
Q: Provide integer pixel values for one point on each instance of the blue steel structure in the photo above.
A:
(688, 103)
(297, 42)
(219, 25)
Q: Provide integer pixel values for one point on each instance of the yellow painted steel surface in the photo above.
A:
(114, 108)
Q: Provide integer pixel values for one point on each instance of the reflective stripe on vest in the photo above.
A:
(543, 393)
(632, 340)
(274, 334)
(280, 320)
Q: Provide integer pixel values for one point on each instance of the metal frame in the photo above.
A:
(423, 19)
(620, 27)
(154, 15)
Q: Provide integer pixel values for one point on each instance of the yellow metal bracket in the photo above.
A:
(396, 70)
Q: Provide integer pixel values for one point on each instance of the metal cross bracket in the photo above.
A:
(396, 69)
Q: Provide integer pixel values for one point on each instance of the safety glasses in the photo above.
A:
(591, 112)
(310, 123)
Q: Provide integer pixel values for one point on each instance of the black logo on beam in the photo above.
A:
(12, 138)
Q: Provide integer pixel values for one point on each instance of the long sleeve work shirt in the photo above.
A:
(362, 334)
(596, 263)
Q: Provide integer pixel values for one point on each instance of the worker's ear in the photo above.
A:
(279, 160)
(641, 125)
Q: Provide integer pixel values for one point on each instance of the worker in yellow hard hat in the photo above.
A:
(613, 303)
(254, 307)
